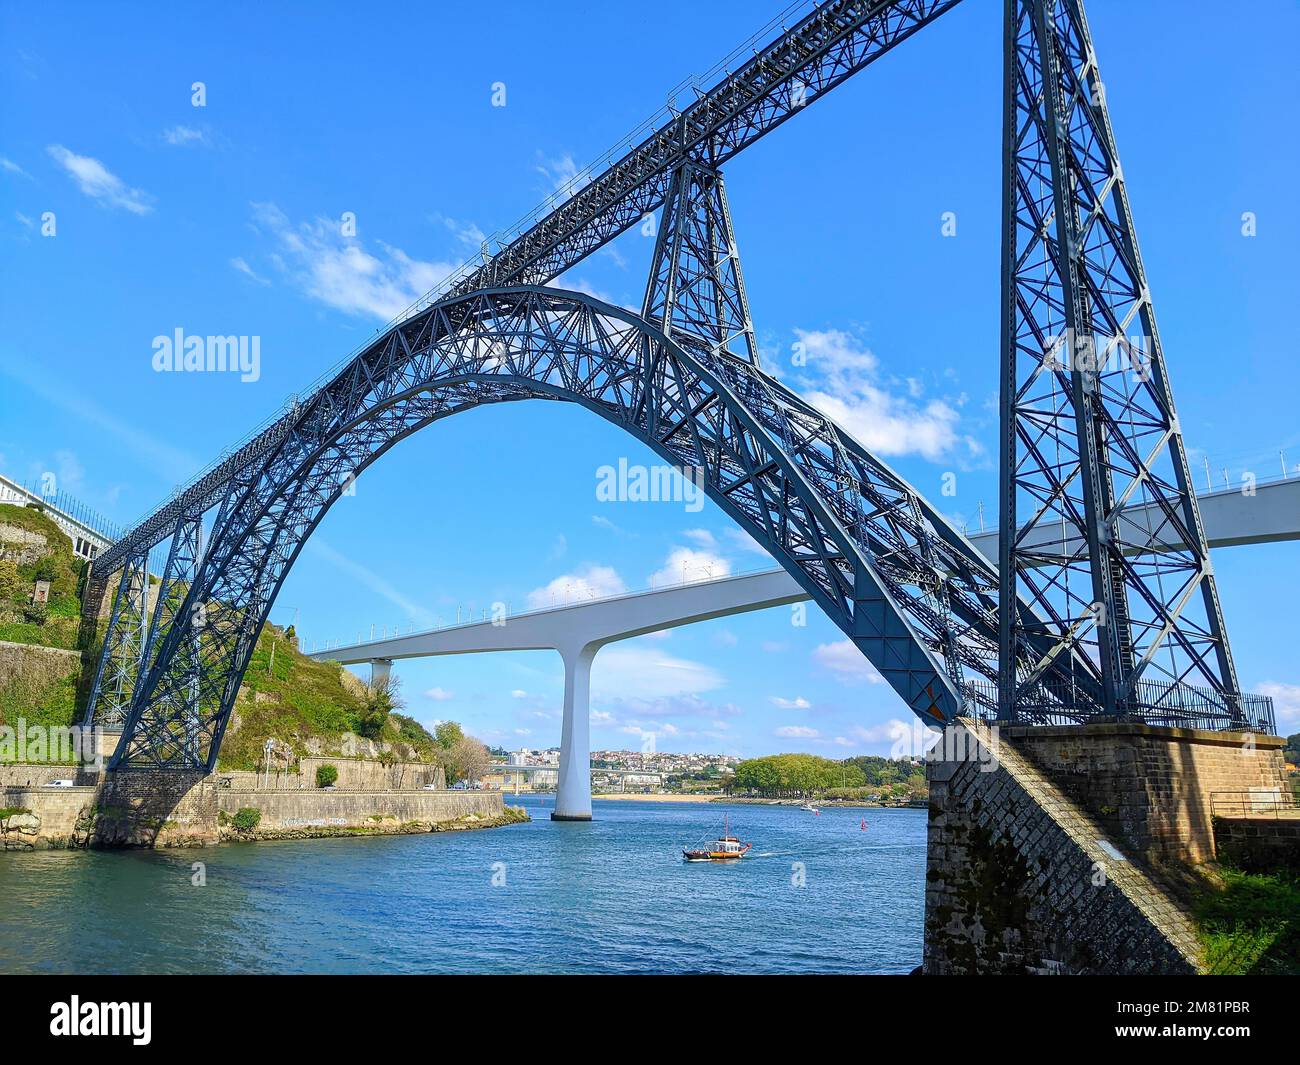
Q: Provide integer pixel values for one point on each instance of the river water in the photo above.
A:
(816, 894)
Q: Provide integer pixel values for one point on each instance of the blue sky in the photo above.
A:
(225, 219)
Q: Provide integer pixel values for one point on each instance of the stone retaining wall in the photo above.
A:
(51, 817)
(170, 809)
(295, 810)
(355, 774)
(1259, 844)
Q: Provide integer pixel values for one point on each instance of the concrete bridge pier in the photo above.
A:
(573, 792)
(380, 670)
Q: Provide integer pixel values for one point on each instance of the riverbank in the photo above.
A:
(173, 809)
(743, 800)
(381, 825)
(630, 797)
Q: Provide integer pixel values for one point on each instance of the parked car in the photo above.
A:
(431, 787)
(59, 784)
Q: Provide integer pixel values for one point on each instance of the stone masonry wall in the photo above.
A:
(1020, 879)
(169, 809)
(43, 817)
(357, 774)
(1261, 844)
(312, 809)
(1152, 787)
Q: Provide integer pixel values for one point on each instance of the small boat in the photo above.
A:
(726, 848)
(808, 807)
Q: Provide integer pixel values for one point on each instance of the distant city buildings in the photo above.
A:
(624, 770)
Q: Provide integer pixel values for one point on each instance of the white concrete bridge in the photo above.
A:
(578, 630)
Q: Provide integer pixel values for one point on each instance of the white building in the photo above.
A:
(87, 541)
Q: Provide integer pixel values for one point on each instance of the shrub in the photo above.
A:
(10, 582)
(326, 775)
(247, 818)
(36, 613)
(47, 568)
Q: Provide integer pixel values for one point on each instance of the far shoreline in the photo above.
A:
(740, 800)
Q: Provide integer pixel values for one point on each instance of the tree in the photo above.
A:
(448, 734)
(467, 760)
(326, 775)
(381, 700)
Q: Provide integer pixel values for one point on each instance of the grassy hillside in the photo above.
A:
(295, 699)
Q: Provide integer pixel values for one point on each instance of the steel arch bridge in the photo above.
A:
(952, 634)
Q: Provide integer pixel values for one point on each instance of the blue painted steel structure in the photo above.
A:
(934, 617)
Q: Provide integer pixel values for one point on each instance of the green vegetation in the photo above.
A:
(247, 818)
(50, 625)
(805, 775)
(1251, 924)
(295, 699)
(48, 705)
(326, 775)
(13, 811)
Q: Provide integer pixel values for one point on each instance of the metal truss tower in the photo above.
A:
(123, 652)
(696, 293)
(1089, 434)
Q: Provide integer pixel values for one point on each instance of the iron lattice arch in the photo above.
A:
(1103, 603)
(911, 592)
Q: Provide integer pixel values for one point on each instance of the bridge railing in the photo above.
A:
(1152, 703)
(1258, 802)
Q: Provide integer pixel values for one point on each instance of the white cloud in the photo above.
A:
(439, 695)
(890, 731)
(744, 542)
(588, 581)
(466, 233)
(560, 174)
(630, 672)
(1286, 703)
(797, 703)
(847, 662)
(182, 136)
(797, 732)
(523, 732)
(849, 391)
(685, 565)
(100, 183)
(702, 537)
(519, 693)
(340, 272)
(371, 580)
(239, 264)
(13, 168)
